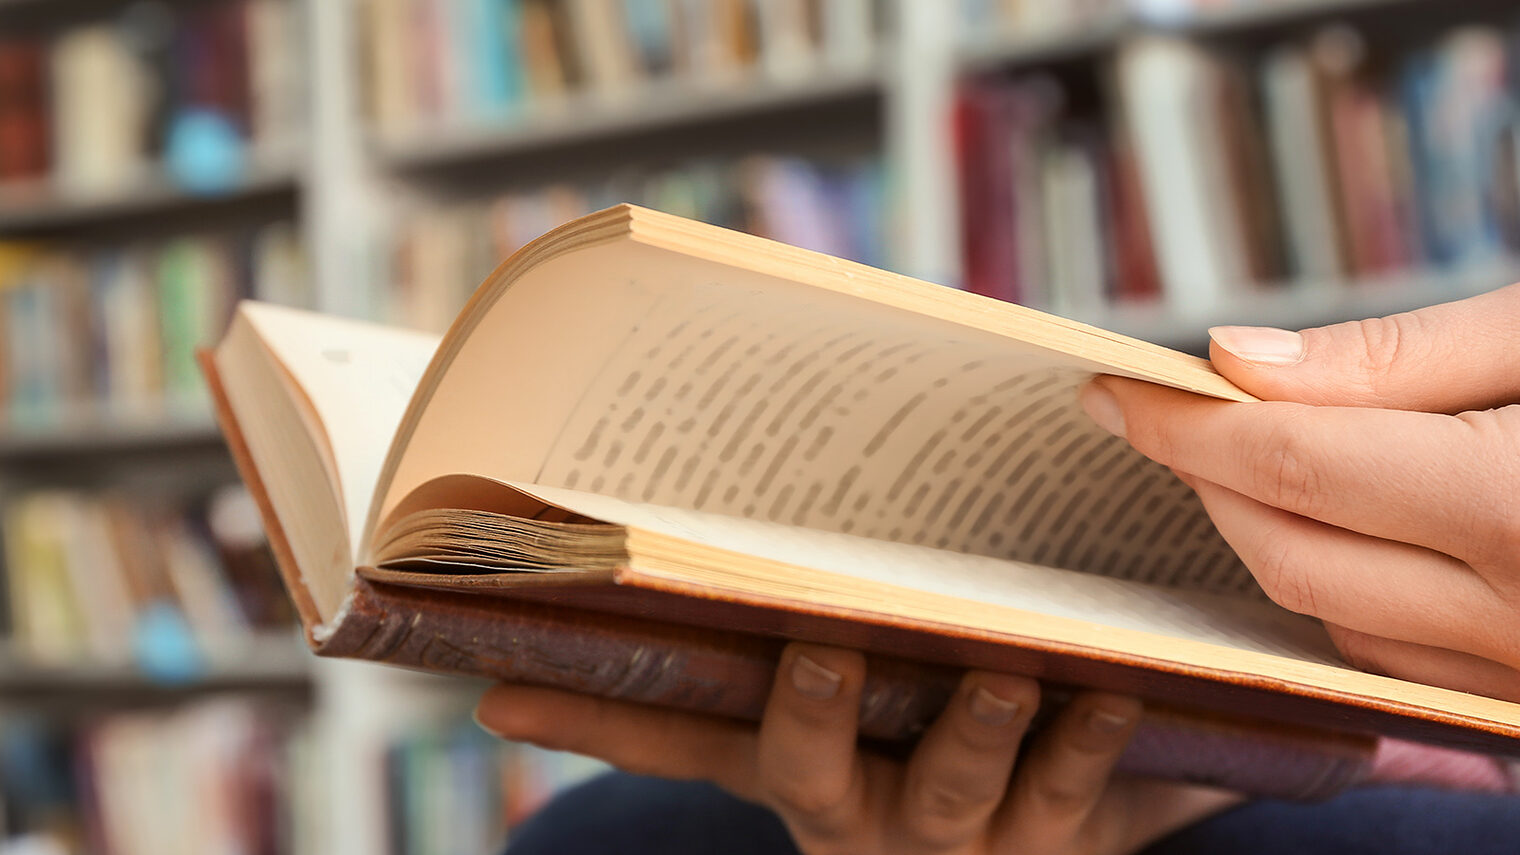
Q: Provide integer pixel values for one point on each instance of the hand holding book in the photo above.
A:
(649, 452)
(1373, 488)
(958, 792)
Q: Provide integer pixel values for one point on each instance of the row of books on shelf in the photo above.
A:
(452, 789)
(472, 60)
(196, 88)
(236, 774)
(229, 775)
(110, 334)
(980, 21)
(162, 585)
(1315, 161)
(440, 253)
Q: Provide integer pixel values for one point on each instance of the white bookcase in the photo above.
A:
(342, 183)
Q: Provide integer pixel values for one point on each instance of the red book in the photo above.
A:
(24, 141)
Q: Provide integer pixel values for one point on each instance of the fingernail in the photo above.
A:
(1103, 408)
(813, 680)
(480, 723)
(1264, 345)
(991, 710)
(1104, 721)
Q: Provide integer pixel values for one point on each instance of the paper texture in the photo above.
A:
(358, 378)
(768, 400)
(1248, 625)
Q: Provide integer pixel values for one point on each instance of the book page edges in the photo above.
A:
(660, 561)
(600, 227)
(306, 607)
(633, 593)
(1110, 352)
(1098, 350)
(1135, 649)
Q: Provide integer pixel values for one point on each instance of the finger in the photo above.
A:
(1413, 477)
(1420, 663)
(1064, 775)
(959, 772)
(1444, 359)
(1364, 583)
(1412, 764)
(807, 764)
(641, 739)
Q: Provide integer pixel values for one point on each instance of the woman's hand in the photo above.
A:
(1377, 487)
(967, 788)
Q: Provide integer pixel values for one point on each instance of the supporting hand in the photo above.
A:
(959, 792)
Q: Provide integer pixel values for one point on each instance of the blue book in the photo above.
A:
(649, 27)
(497, 55)
(1417, 89)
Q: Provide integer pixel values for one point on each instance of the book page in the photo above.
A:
(791, 414)
(656, 376)
(1248, 625)
(357, 378)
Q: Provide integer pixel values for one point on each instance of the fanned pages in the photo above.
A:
(648, 448)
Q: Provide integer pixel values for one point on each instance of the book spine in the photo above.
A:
(730, 674)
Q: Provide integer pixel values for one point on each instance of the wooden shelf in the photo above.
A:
(1302, 305)
(74, 438)
(591, 117)
(1003, 50)
(39, 206)
(1000, 51)
(1254, 15)
(273, 663)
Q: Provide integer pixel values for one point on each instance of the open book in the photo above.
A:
(648, 449)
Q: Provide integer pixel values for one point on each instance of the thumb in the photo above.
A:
(1463, 355)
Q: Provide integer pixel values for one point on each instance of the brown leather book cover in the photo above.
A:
(601, 646)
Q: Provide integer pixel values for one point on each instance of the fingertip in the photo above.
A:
(1105, 718)
(999, 700)
(1265, 347)
(822, 673)
(1102, 406)
(530, 713)
(499, 713)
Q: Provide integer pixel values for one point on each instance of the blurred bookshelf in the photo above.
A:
(377, 157)
(270, 662)
(663, 107)
(36, 205)
(87, 437)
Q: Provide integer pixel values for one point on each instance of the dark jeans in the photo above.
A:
(624, 814)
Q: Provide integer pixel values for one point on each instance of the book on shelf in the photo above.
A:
(434, 253)
(649, 450)
(119, 579)
(94, 107)
(108, 334)
(451, 787)
(468, 61)
(1205, 175)
(222, 775)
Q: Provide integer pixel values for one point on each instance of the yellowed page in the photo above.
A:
(293, 464)
(660, 376)
(1256, 626)
(358, 378)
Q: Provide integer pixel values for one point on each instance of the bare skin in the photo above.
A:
(1378, 485)
(959, 793)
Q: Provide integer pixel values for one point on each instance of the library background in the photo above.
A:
(1151, 166)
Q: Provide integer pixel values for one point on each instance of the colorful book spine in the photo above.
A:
(438, 254)
(1318, 162)
(98, 105)
(110, 334)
